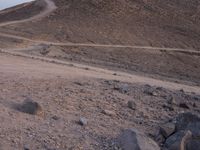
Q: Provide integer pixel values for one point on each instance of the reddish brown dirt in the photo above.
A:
(72, 82)
(68, 93)
(21, 11)
(153, 23)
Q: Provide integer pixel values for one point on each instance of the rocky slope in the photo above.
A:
(156, 23)
(49, 104)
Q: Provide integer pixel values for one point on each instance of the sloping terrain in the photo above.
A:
(22, 11)
(93, 68)
(67, 93)
(147, 23)
(168, 24)
(172, 66)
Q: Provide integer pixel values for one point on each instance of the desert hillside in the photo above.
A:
(100, 74)
(171, 23)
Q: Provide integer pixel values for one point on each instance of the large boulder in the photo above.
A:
(178, 140)
(132, 139)
(188, 121)
(187, 133)
(193, 144)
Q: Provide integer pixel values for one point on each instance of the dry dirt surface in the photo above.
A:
(83, 62)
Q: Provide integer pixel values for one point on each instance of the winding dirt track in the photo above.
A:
(101, 45)
(50, 7)
(41, 67)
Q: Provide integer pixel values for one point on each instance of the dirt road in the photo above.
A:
(40, 67)
(50, 7)
(12, 64)
(148, 48)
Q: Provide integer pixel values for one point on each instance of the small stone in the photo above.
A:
(30, 107)
(160, 89)
(55, 118)
(170, 100)
(87, 68)
(159, 138)
(184, 105)
(195, 97)
(151, 91)
(124, 88)
(194, 105)
(83, 121)
(108, 112)
(167, 129)
(170, 108)
(154, 93)
(132, 105)
(26, 148)
(78, 83)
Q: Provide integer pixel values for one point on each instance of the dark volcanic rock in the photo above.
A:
(193, 144)
(159, 138)
(168, 107)
(122, 88)
(167, 129)
(187, 133)
(132, 105)
(178, 140)
(131, 139)
(187, 121)
(184, 105)
(30, 107)
(151, 91)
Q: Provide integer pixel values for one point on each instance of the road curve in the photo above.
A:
(70, 69)
(190, 51)
(50, 7)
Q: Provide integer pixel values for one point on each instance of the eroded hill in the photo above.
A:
(156, 23)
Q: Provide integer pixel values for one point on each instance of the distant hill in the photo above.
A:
(166, 23)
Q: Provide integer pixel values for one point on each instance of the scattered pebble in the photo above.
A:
(108, 112)
(83, 121)
(184, 105)
(132, 105)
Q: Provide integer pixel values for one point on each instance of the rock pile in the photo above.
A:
(183, 133)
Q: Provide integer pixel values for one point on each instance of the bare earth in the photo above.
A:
(95, 80)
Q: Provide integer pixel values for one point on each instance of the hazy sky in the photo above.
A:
(9, 3)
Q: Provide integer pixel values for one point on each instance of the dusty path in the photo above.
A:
(50, 7)
(53, 67)
(21, 64)
(47, 67)
(190, 51)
